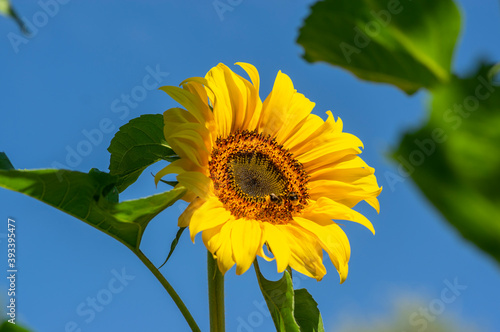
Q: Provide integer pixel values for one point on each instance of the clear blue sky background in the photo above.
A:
(64, 80)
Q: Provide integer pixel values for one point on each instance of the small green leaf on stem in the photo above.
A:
(170, 183)
(173, 245)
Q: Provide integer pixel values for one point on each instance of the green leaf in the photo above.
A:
(306, 312)
(7, 10)
(455, 158)
(5, 162)
(91, 197)
(408, 44)
(173, 245)
(9, 327)
(137, 145)
(279, 296)
(170, 183)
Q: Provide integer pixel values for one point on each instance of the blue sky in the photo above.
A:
(73, 76)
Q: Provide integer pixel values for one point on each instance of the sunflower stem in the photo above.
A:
(170, 290)
(215, 295)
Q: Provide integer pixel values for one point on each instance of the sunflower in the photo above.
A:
(265, 173)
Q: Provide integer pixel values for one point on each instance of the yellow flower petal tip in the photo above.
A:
(265, 173)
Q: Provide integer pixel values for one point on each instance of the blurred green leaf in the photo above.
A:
(306, 312)
(173, 245)
(279, 298)
(408, 44)
(7, 10)
(455, 158)
(137, 145)
(93, 198)
(494, 73)
(9, 327)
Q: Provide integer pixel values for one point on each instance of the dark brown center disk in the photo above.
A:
(256, 178)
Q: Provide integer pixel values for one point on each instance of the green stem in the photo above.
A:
(215, 295)
(170, 290)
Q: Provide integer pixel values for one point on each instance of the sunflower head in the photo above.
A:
(265, 173)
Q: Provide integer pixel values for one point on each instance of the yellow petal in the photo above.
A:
(299, 109)
(348, 186)
(196, 106)
(333, 157)
(333, 240)
(187, 214)
(221, 99)
(254, 102)
(349, 194)
(178, 116)
(346, 164)
(225, 253)
(245, 241)
(327, 152)
(177, 167)
(262, 254)
(324, 144)
(275, 107)
(200, 80)
(177, 119)
(327, 131)
(189, 144)
(306, 253)
(196, 182)
(260, 250)
(189, 196)
(252, 73)
(278, 243)
(347, 175)
(197, 86)
(234, 99)
(303, 130)
(212, 238)
(329, 209)
(164, 171)
(283, 109)
(210, 214)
